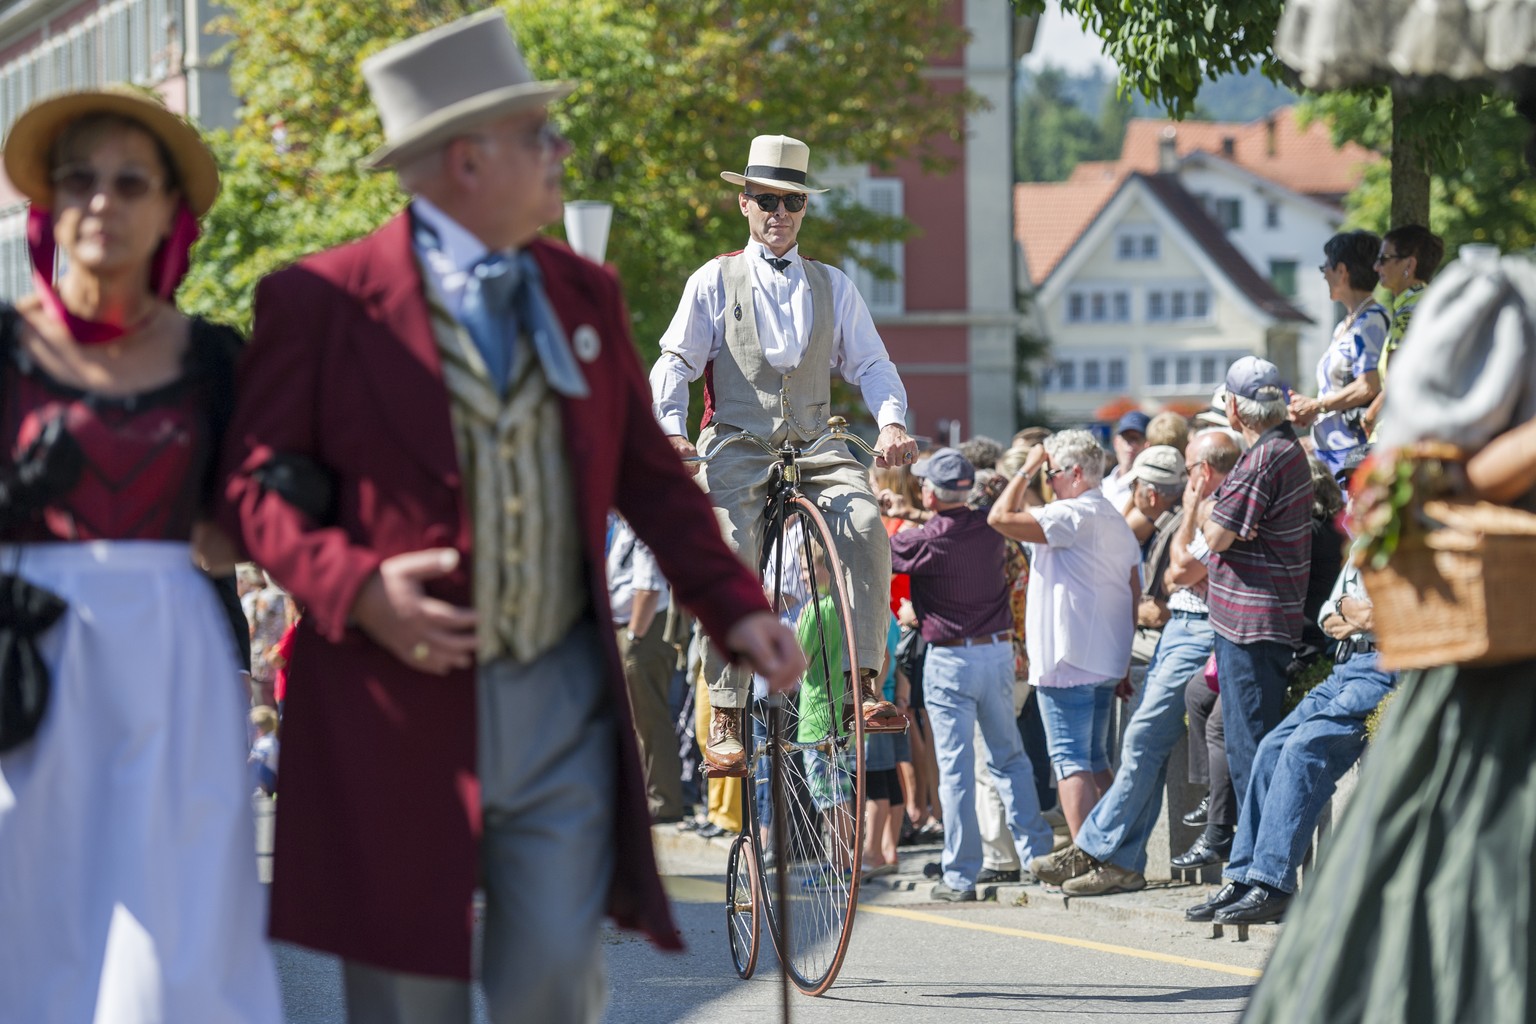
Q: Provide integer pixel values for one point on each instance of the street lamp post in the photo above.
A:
(586, 227)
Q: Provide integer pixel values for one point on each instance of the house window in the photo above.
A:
(1157, 375)
(1076, 306)
(1149, 247)
(1156, 309)
(1116, 374)
(1209, 366)
(1066, 376)
(1182, 371)
(1271, 214)
(1200, 304)
(1178, 305)
(1229, 214)
(1127, 250)
(1091, 381)
(885, 296)
(1099, 306)
(1122, 303)
(1282, 274)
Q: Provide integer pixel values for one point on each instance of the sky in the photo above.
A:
(1061, 41)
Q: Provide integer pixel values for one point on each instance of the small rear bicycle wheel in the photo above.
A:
(743, 907)
(821, 762)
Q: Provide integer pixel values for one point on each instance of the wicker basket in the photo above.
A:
(1463, 593)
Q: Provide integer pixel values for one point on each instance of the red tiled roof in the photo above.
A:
(1276, 148)
(1048, 217)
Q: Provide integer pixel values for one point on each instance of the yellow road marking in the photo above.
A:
(698, 890)
(1061, 940)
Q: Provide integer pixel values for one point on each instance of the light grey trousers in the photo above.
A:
(546, 759)
(737, 482)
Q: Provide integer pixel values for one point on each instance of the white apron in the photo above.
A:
(128, 887)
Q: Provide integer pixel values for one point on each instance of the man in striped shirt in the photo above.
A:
(1258, 524)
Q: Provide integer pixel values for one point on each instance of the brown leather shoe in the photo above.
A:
(724, 755)
(880, 715)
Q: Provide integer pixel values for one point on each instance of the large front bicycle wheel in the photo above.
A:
(820, 764)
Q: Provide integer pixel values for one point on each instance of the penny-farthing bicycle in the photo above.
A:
(796, 863)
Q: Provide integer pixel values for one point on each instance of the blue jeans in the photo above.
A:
(965, 687)
(1296, 769)
(1122, 821)
(1077, 725)
(1252, 680)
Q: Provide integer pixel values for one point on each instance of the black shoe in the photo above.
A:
(1197, 817)
(1259, 905)
(1225, 897)
(992, 876)
(932, 869)
(1208, 849)
(944, 894)
(709, 830)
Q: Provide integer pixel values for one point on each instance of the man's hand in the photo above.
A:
(685, 450)
(1303, 411)
(770, 648)
(894, 446)
(1335, 626)
(425, 633)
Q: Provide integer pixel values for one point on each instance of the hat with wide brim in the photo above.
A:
(775, 161)
(29, 146)
(436, 86)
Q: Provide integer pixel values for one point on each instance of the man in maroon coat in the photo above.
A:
(457, 717)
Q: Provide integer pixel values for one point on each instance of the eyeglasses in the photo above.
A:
(1052, 474)
(543, 139)
(1323, 269)
(1388, 257)
(769, 203)
(81, 181)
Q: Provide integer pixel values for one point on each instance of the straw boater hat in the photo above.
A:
(30, 144)
(775, 161)
(437, 85)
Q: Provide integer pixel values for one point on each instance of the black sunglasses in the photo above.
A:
(82, 181)
(769, 203)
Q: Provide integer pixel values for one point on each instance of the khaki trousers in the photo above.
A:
(737, 483)
(648, 666)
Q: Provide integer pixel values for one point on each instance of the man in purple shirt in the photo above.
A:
(960, 595)
(1259, 524)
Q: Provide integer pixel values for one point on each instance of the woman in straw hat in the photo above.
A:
(126, 881)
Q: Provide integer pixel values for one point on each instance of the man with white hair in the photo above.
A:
(473, 392)
(1258, 524)
(1110, 852)
(1084, 588)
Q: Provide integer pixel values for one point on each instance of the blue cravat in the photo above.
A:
(490, 312)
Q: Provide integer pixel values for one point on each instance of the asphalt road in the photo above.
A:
(911, 961)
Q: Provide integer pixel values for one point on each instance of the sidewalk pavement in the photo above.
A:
(1161, 903)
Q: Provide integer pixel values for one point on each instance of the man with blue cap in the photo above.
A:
(1129, 439)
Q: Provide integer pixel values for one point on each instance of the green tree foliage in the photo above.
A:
(672, 93)
(1054, 135)
(1482, 193)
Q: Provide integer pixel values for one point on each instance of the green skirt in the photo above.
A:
(1423, 907)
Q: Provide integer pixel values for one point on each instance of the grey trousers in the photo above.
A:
(648, 667)
(546, 759)
(737, 482)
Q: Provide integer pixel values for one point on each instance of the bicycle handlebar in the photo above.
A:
(837, 430)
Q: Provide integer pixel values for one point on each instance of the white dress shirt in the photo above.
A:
(782, 302)
(448, 264)
(632, 567)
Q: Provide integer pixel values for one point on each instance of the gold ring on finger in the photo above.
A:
(421, 651)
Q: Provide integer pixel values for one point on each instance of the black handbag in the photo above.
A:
(26, 612)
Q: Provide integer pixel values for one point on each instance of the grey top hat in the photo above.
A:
(435, 86)
(775, 161)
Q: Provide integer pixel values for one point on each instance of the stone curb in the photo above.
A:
(1161, 904)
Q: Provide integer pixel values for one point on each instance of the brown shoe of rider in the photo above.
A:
(724, 755)
(880, 715)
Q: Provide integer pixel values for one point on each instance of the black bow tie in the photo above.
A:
(777, 263)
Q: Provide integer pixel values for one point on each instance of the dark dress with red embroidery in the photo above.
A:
(125, 849)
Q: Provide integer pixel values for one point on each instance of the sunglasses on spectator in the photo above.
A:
(769, 203)
(1387, 257)
(81, 182)
(1052, 474)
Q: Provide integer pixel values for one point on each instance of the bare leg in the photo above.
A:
(877, 818)
(1079, 792)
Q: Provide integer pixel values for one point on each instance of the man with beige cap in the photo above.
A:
(457, 714)
(765, 328)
